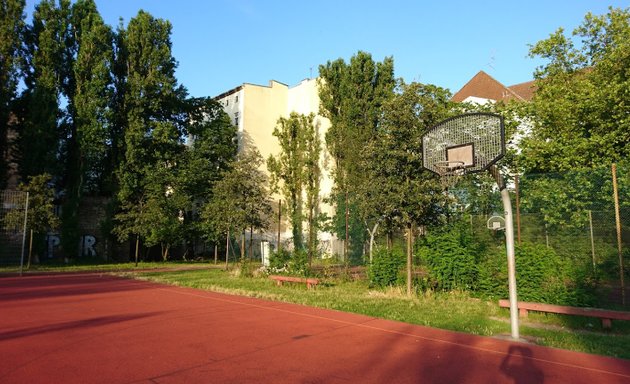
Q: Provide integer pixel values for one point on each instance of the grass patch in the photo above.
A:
(456, 311)
(98, 266)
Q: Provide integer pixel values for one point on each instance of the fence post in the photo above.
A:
(24, 234)
(590, 222)
(618, 223)
(518, 209)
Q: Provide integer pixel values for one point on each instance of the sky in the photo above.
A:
(221, 44)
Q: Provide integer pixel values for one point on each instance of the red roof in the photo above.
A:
(485, 86)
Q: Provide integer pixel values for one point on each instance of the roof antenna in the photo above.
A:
(491, 62)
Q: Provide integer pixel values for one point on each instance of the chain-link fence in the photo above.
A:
(583, 215)
(13, 213)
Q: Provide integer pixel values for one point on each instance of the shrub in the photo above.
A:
(279, 260)
(386, 267)
(449, 259)
(292, 263)
(541, 276)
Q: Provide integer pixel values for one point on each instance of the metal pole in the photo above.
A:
(590, 222)
(24, 234)
(509, 244)
(518, 209)
(618, 223)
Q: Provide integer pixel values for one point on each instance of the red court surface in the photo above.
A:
(88, 328)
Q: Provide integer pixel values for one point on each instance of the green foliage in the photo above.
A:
(41, 216)
(579, 112)
(239, 199)
(150, 198)
(564, 199)
(397, 187)
(12, 27)
(47, 68)
(290, 263)
(387, 267)
(296, 172)
(541, 276)
(351, 97)
(449, 257)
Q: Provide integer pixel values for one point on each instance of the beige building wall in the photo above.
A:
(255, 109)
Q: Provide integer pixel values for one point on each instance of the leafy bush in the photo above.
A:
(450, 259)
(541, 276)
(279, 260)
(292, 263)
(386, 266)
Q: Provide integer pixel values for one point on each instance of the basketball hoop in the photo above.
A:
(471, 143)
(450, 171)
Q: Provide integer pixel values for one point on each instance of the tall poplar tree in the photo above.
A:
(398, 189)
(40, 138)
(351, 96)
(11, 36)
(296, 172)
(88, 89)
(154, 105)
(287, 169)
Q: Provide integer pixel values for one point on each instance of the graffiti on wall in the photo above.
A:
(87, 245)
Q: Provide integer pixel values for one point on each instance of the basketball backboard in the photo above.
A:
(472, 142)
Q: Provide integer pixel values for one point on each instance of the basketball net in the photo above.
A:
(450, 172)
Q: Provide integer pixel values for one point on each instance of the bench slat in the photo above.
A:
(308, 281)
(566, 310)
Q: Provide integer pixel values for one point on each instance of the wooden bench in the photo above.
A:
(309, 281)
(605, 315)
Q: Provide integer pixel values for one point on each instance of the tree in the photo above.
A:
(88, 89)
(211, 149)
(398, 188)
(40, 137)
(288, 168)
(41, 217)
(11, 36)
(580, 108)
(297, 169)
(154, 106)
(239, 200)
(351, 95)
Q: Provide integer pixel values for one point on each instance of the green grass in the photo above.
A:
(455, 311)
(88, 266)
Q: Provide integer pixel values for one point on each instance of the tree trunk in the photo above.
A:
(279, 222)
(30, 249)
(409, 258)
(345, 244)
(251, 242)
(165, 252)
(311, 232)
(372, 234)
(137, 246)
(242, 246)
(227, 249)
(216, 253)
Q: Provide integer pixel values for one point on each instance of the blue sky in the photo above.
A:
(221, 44)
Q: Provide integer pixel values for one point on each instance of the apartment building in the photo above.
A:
(255, 110)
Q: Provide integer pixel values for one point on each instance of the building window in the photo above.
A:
(236, 99)
(236, 119)
(227, 102)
